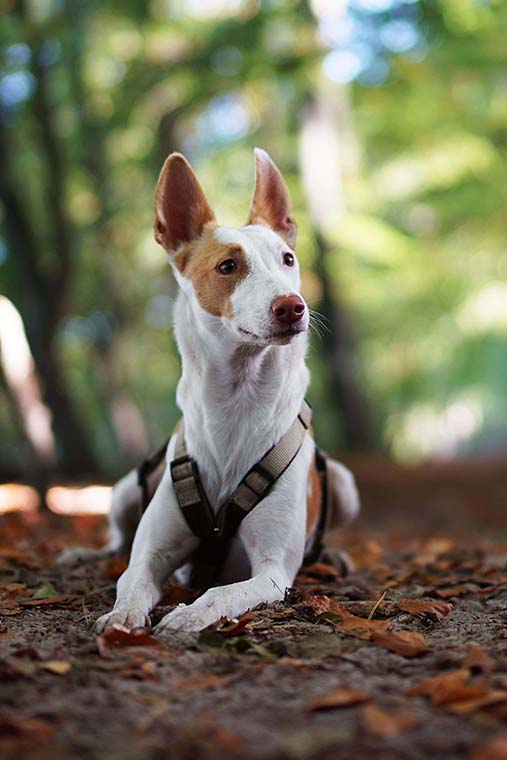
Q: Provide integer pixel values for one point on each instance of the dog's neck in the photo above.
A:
(237, 399)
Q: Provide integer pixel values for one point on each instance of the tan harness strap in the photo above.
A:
(263, 475)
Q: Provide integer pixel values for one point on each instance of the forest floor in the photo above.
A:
(404, 658)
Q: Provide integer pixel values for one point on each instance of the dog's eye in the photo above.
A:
(288, 259)
(227, 267)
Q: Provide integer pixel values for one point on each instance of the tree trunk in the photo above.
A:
(322, 147)
(41, 293)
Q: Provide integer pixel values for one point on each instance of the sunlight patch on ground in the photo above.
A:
(15, 497)
(89, 500)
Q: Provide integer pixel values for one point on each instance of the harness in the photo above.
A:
(217, 530)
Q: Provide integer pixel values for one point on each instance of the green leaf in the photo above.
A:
(45, 591)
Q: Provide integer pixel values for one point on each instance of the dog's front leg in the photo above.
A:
(273, 535)
(162, 543)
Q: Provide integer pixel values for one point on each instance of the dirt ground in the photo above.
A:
(404, 658)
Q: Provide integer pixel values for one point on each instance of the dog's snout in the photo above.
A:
(287, 310)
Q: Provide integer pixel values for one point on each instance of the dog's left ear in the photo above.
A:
(181, 208)
(271, 202)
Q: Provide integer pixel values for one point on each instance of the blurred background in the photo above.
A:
(388, 119)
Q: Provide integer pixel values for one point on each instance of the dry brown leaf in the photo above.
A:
(12, 552)
(35, 728)
(113, 567)
(9, 590)
(494, 750)
(358, 626)
(451, 687)
(119, 637)
(234, 627)
(203, 681)
(175, 593)
(141, 669)
(479, 660)
(366, 553)
(431, 551)
(60, 599)
(383, 608)
(227, 741)
(339, 697)
(404, 643)
(465, 706)
(319, 570)
(425, 607)
(386, 724)
(10, 607)
(459, 590)
(20, 666)
(319, 603)
(60, 667)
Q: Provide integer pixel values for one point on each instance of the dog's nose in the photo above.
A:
(288, 310)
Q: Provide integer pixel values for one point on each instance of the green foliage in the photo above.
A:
(419, 258)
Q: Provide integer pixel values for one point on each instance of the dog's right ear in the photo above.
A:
(181, 208)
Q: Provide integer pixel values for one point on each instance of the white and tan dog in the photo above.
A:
(242, 332)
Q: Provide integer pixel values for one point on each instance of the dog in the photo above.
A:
(240, 494)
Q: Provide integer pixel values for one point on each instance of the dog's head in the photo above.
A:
(244, 280)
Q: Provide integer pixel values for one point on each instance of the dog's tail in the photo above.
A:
(342, 494)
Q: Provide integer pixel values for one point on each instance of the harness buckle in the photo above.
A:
(183, 467)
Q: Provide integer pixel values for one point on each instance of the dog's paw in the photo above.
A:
(124, 619)
(183, 618)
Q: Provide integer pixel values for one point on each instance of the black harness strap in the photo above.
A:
(145, 469)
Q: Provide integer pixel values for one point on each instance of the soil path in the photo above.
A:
(405, 658)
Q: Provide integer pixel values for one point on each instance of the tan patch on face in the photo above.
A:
(313, 498)
(199, 260)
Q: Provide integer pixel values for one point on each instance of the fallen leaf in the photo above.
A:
(366, 553)
(113, 567)
(60, 667)
(386, 724)
(432, 549)
(175, 593)
(217, 736)
(21, 667)
(479, 660)
(10, 607)
(449, 688)
(203, 681)
(141, 669)
(120, 637)
(234, 627)
(339, 697)
(319, 571)
(361, 627)
(404, 643)
(319, 603)
(459, 590)
(8, 590)
(464, 706)
(61, 599)
(36, 728)
(425, 607)
(494, 750)
(384, 609)
(45, 591)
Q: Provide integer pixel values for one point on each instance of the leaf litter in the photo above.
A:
(410, 648)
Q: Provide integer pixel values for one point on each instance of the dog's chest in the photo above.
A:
(226, 445)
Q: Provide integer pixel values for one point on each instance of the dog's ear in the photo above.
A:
(181, 208)
(271, 203)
